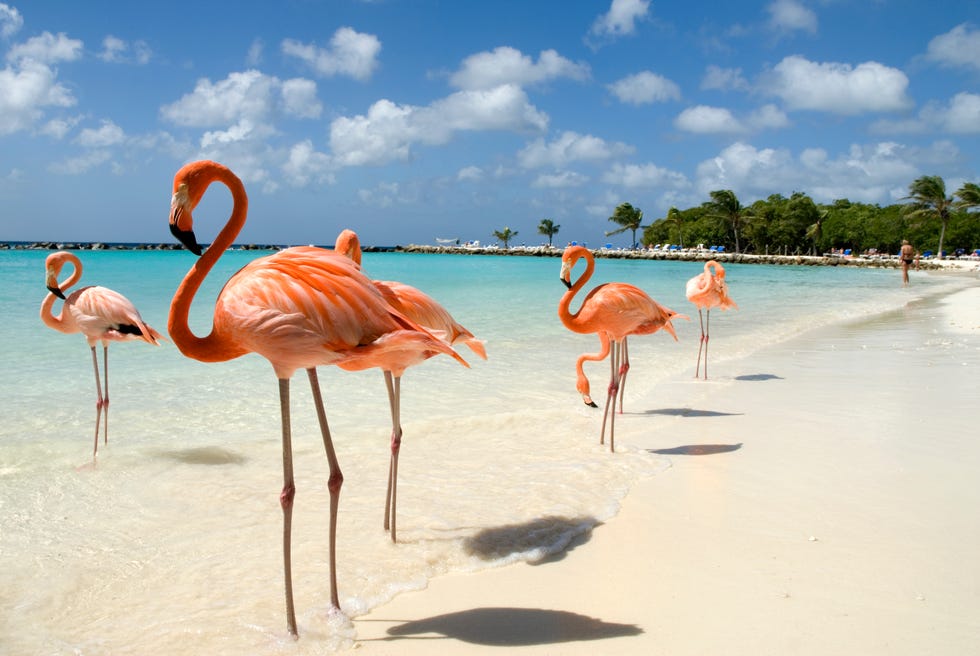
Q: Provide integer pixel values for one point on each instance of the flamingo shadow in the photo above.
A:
(697, 449)
(205, 455)
(690, 412)
(759, 377)
(512, 627)
(542, 540)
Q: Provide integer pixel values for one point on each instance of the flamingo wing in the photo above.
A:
(103, 314)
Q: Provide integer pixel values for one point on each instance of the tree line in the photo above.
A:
(930, 219)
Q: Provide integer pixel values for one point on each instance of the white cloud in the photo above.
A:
(58, 127)
(645, 87)
(80, 164)
(254, 56)
(115, 50)
(250, 98)
(470, 174)
(505, 65)
(724, 79)
(25, 92)
(790, 16)
(559, 180)
(388, 130)
(108, 134)
(10, 21)
(306, 165)
(46, 49)
(961, 116)
(350, 53)
(838, 88)
(645, 176)
(958, 47)
(767, 117)
(621, 18)
(567, 148)
(703, 119)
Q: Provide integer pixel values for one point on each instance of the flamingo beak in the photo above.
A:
(187, 238)
(565, 274)
(54, 289)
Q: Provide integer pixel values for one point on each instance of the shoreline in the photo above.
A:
(689, 255)
(816, 503)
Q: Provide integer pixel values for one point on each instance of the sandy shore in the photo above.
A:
(822, 499)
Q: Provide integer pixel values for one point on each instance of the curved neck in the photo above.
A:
(214, 347)
(57, 261)
(564, 305)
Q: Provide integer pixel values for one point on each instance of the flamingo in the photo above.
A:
(298, 308)
(614, 310)
(99, 313)
(708, 290)
(426, 311)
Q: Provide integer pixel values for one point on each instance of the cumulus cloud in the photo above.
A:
(621, 18)
(961, 115)
(567, 148)
(250, 96)
(958, 47)
(115, 50)
(46, 49)
(703, 119)
(108, 134)
(649, 176)
(388, 130)
(506, 65)
(645, 87)
(838, 88)
(559, 180)
(25, 92)
(791, 16)
(350, 53)
(10, 21)
(724, 79)
(81, 164)
(305, 165)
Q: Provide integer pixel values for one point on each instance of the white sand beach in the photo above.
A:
(822, 499)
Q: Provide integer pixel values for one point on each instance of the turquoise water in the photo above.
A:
(177, 527)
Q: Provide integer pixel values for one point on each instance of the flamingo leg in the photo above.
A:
(707, 336)
(105, 398)
(99, 401)
(286, 501)
(623, 370)
(609, 411)
(697, 369)
(334, 483)
(393, 383)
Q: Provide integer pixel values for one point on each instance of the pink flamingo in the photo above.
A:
(298, 308)
(708, 290)
(101, 314)
(614, 310)
(427, 312)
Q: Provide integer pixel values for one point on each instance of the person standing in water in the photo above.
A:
(907, 256)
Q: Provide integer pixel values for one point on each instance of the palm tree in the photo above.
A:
(675, 218)
(505, 235)
(968, 196)
(548, 227)
(815, 232)
(629, 218)
(929, 200)
(725, 206)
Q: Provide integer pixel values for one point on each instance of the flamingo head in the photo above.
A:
(52, 267)
(349, 245)
(181, 219)
(566, 273)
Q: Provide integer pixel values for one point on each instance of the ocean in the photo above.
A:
(171, 541)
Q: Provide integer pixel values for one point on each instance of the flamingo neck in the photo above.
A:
(47, 316)
(215, 347)
(564, 305)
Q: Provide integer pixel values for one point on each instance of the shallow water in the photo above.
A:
(171, 541)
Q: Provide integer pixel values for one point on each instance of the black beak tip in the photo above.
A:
(566, 283)
(56, 291)
(187, 238)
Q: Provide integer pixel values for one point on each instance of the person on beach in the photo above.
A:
(907, 256)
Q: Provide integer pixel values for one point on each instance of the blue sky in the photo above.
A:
(411, 120)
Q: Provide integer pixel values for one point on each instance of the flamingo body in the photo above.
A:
(708, 290)
(99, 313)
(427, 312)
(614, 311)
(299, 308)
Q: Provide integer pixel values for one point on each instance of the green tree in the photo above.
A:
(676, 219)
(725, 207)
(549, 228)
(929, 201)
(505, 235)
(968, 196)
(815, 232)
(629, 218)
